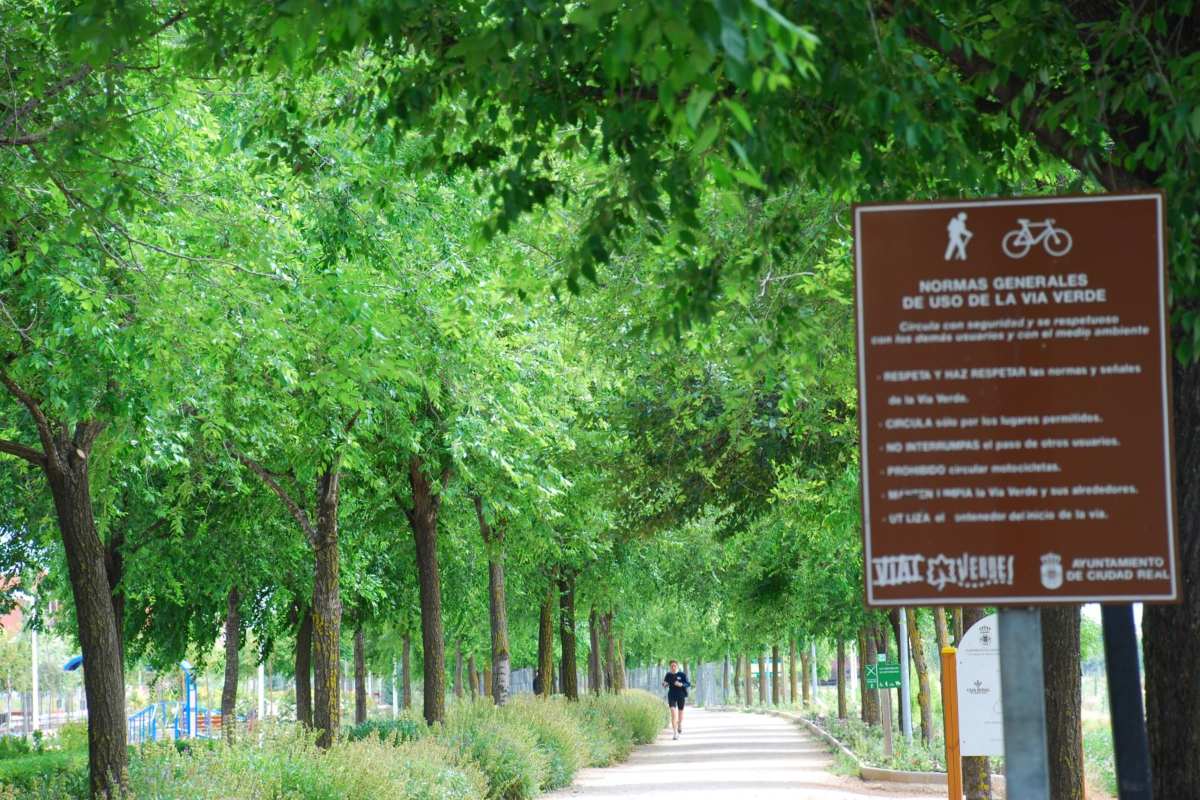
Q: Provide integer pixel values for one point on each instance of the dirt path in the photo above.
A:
(731, 756)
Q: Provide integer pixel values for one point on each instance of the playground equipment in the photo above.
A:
(180, 720)
(186, 719)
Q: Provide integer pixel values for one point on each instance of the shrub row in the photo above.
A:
(510, 753)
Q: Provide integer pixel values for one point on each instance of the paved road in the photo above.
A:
(731, 756)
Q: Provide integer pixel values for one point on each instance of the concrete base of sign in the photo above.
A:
(866, 772)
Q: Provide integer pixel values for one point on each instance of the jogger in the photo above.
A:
(677, 685)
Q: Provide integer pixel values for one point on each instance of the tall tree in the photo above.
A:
(233, 641)
(566, 634)
(545, 649)
(493, 539)
(360, 676)
(916, 641)
(1064, 701)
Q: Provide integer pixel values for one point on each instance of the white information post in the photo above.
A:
(980, 711)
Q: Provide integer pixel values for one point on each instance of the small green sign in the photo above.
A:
(884, 675)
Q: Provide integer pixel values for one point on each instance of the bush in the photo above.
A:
(630, 718)
(501, 745)
(286, 764)
(73, 736)
(597, 735)
(13, 746)
(560, 737)
(509, 753)
(402, 729)
(645, 713)
(54, 774)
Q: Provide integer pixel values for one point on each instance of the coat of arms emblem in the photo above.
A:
(1052, 571)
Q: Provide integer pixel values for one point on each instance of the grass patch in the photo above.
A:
(1099, 763)
(406, 728)
(866, 742)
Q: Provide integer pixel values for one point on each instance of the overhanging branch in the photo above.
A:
(269, 478)
(1055, 139)
(35, 411)
(30, 454)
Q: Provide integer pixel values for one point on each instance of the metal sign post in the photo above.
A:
(1125, 703)
(905, 696)
(883, 696)
(1023, 694)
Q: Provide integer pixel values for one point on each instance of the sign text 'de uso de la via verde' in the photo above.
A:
(1014, 369)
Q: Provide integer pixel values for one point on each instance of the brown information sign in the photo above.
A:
(1014, 401)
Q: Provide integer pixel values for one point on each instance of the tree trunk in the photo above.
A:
(594, 680)
(762, 678)
(473, 683)
(232, 645)
(1064, 698)
(916, 646)
(423, 518)
(566, 632)
(793, 678)
(737, 679)
(977, 770)
(870, 698)
(725, 681)
(610, 652)
(327, 613)
(487, 679)
(406, 671)
(304, 634)
(619, 673)
(863, 704)
(1170, 644)
(458, 669)
(114, 556)
(943, 633)
(493, 538)
(805, 683)
(841, 678)
(885, 647)
(959, 629)
(360, 677)
(776, 682)
(545, 667)
(66, 468)
(748, 679)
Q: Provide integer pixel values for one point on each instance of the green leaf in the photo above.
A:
(697, 102)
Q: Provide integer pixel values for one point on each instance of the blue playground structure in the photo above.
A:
(170, 720)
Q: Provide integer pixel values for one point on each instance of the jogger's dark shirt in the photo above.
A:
(677, 692)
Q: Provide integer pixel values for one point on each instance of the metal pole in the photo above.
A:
(1125, 701)
(1026, 763)
(905, 689)
(262, 692)
(36, 699)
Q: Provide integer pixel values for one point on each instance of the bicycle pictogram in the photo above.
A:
(1018, 243)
